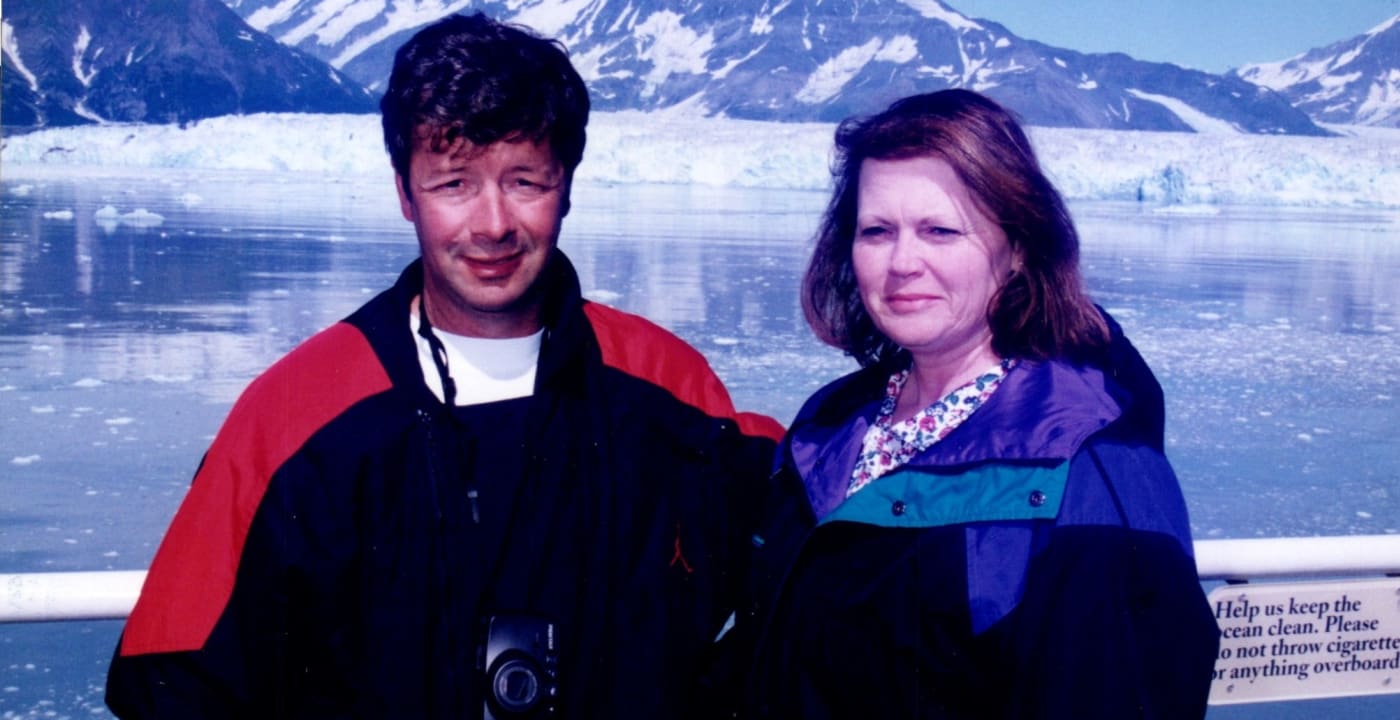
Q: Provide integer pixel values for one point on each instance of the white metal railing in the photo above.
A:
(37, 597)
(105, 595)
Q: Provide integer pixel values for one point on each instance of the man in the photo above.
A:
(479, 495)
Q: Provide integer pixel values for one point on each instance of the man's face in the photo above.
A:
(487, 220)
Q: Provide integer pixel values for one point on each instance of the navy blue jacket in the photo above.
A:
(347, 533)
(1035, 563)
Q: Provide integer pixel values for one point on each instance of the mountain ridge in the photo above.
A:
(805, 60)
(771, 60)
(1355, 81)
(156, 62)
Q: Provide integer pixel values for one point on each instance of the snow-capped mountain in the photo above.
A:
(1353, 82)
(799, 60)
(80, 61)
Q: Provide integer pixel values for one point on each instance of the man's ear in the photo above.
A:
(566, 202)
(405, 199)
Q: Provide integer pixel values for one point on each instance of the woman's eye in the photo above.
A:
(872, 232)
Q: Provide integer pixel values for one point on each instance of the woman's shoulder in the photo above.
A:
(840, 398)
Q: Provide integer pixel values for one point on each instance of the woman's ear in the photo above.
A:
(1018, 262)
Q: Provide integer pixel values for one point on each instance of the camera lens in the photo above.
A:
(516, 685)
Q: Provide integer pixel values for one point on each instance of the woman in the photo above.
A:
(984, 522)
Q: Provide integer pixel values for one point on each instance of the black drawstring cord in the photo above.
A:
(438, 351)
(449, 388)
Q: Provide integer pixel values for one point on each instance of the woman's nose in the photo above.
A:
(905, 258)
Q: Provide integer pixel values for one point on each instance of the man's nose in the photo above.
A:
(491, 217)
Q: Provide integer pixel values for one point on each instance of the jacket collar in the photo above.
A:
(1042, 413)
(384, 321)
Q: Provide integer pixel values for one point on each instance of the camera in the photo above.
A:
(520, 657)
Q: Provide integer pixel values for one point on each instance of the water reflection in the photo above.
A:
(122, 344)
(1311, 270)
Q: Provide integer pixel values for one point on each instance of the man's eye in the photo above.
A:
(528, 184)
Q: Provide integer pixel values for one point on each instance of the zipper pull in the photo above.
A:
(476, 512)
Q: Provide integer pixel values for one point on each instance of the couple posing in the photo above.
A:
(482, 496)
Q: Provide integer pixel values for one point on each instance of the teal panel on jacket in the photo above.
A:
(992, 492)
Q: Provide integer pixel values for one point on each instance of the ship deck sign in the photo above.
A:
(1304, 640)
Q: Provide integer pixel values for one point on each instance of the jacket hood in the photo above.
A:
(1042, 413)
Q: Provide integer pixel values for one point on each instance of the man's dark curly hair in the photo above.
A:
(470, 77)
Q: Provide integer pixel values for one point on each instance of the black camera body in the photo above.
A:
(520, 657)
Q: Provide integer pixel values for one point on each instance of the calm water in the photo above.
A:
(124, 338)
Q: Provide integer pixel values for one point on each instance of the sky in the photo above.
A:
(1210, 35)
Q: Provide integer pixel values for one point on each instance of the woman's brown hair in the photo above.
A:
(1041, 311)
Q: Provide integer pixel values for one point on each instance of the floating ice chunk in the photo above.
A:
(25, 460)
(725, 341)
(1363, 514)
(22, 190)
(41, 409)
(109, 217)
(88, 383)
(604, 296)
(143, 217)
(190, 199)
(58, 215)
(170, 378)
(1196, 209)
(1208, 316)
(1305, 437)
(120, 421)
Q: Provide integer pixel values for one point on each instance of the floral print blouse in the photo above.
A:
(888, 444)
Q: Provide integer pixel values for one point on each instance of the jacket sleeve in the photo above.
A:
(207, 638)
(1113, 621)
(213, 632)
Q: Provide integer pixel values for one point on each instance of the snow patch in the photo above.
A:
(80, 47)
(11, 50)
(1195, 119)
(671, 48)
(938, 11)
(829, 77)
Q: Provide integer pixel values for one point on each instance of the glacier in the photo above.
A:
(1358, 168)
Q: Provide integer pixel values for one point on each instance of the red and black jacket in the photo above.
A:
(332, 559)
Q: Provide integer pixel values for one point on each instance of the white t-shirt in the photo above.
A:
(483, 369)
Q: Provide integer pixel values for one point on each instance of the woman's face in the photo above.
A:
(927, 259)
